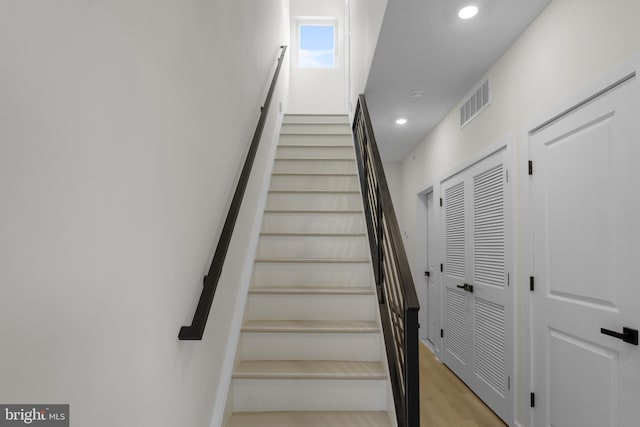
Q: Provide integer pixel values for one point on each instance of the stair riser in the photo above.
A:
(297, 201)
(311, 307)
(300, 395)
(315, 166)
(315, 140)
(316, 128)
(319, 182)
(312, 274)
(313, 223)
(312, 247)
(355, 346)
(311, 119)
(309, 152)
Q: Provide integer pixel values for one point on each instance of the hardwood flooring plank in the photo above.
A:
(445, 401)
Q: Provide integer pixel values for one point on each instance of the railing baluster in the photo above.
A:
(396, 293)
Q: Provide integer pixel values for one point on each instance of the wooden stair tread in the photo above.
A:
(316, 159)
(314, 234)
(316, 146)
(319, 174)
(310, 132)
(310, 419)
(315, 211)
(314, 191)
(313, 260)
(308, 290)
(308, 369)
(312, 326)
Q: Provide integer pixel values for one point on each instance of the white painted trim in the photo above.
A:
(347, 55)
(477, 158)
(511, 265)
(602, 81)
(526, 235)
(422, 248)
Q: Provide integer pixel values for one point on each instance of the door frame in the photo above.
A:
(599, 85)
(422, 243)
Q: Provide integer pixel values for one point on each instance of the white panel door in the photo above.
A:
(585, 195)
(477, 302)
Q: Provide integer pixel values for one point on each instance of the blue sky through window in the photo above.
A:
(317, 47)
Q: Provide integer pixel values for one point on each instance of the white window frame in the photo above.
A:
(330, 21)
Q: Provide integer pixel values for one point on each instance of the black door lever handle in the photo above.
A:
(466, 287)
(628, 335)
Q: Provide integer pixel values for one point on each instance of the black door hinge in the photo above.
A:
(427, 273)
(441, 333)
(531, 284)
(441, 267)
(530, 167)
(533, 400)
(440, 201)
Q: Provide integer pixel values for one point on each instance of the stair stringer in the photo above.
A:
(243, 249)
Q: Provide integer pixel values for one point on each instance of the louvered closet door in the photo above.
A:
(477, 331)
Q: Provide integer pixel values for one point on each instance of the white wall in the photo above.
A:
(365, 21)
(123, 125)
(393, 173)
(570, 44)
(318, 90)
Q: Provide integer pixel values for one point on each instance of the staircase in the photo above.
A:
(311, 351)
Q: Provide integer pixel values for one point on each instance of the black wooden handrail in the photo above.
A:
(397, 298)
(196, 330)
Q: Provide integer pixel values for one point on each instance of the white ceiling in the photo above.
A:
(423, 45)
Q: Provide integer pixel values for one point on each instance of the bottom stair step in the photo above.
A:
(310, 419)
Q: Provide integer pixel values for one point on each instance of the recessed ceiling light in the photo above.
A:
(468, 12)
(401, 121)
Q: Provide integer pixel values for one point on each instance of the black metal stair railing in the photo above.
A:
(397, 298)
(195, 331)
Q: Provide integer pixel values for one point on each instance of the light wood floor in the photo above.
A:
(445, 401)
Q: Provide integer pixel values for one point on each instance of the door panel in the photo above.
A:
(586, 207)
(488, 227)
(457, 329)
(490, 355)
(570, 358)
(455, 236)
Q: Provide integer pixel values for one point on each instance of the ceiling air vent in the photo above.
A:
(474, 105)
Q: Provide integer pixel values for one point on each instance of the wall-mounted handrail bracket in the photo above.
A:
(195, 331)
